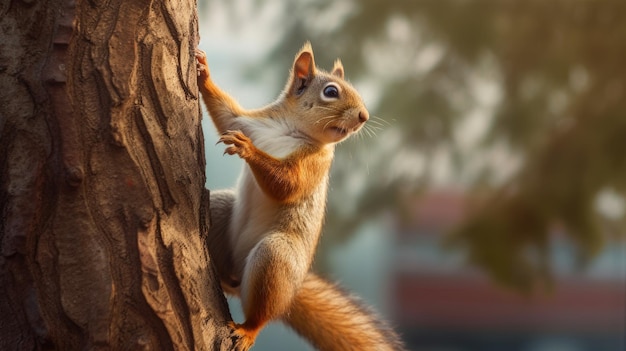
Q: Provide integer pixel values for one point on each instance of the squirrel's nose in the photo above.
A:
(363, 116)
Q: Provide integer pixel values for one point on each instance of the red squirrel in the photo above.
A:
(264, 233)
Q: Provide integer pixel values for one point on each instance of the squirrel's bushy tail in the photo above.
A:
(332, 319)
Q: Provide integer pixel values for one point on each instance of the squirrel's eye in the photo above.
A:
(330, 92)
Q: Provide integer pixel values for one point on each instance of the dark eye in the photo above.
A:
(331, 92)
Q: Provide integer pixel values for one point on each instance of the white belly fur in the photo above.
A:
(254, 213)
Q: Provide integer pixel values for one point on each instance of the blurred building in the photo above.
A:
(440, 303)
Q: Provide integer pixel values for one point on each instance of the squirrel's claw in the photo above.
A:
(201, 65)
(243, 338)
(239, 143)
(200, 56)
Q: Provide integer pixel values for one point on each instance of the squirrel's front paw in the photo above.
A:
(239, 143)
(201, 64)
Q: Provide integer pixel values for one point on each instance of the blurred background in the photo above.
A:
(483, 208)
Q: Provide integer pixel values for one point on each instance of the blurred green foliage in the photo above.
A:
(558, 108)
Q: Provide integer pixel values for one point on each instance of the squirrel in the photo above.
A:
(264, 233)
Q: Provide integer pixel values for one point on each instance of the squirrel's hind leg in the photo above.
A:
(272, 274)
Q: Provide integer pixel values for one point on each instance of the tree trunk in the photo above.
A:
(101, 179)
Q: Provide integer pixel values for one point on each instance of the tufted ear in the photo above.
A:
(338, 69)
(303, 69)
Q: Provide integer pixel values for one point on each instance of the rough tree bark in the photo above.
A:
(102, 178)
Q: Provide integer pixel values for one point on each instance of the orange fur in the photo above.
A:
(335, 320)
(286, 180)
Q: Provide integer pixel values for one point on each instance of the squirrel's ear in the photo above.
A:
(338, 69)
(303, 68)
(304, 64)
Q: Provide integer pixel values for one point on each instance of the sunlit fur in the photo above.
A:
(353, 325)
(265, 247)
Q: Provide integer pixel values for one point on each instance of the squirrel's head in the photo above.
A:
(329, 108)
